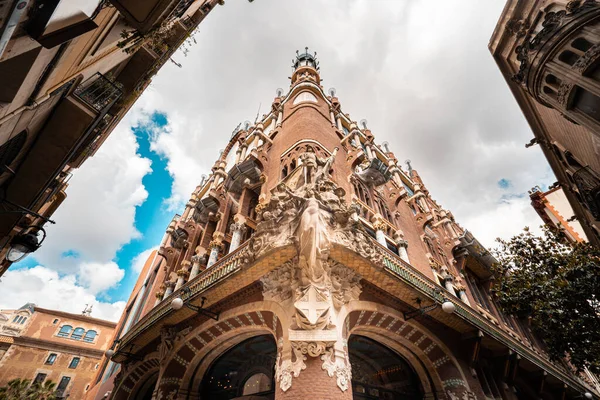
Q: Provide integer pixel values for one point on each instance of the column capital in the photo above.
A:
(159, 295)
(215, 243)
(199, 259)
(185, 264)
(183, 273)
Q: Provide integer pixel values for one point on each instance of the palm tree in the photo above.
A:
(21, 389)
(43, 391)
(15, 390)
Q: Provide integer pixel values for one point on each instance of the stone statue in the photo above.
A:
(315, 169)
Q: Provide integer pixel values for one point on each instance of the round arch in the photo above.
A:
(431, 358)
(130, 381)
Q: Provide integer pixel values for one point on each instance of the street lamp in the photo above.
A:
(177, 304)
(25, 243)
(447, 307)
(588, 395)
(111, 351)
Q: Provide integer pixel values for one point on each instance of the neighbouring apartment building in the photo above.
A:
(39, 344)
(549, 53)
(312, 265)
(556, 212)
(69, 71)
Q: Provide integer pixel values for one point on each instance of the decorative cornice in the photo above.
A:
(50, 345)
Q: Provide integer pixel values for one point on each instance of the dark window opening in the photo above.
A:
(11, 149)
(581, 44)
(74, 363)
(51, 359)
(568, 57)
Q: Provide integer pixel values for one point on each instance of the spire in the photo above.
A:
(305, 66)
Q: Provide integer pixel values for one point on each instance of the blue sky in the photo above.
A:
(151, 217)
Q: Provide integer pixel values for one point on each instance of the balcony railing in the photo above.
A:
(424, 284)
(588, 183)
(99, 92)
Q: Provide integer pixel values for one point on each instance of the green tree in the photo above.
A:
(556, 286)
(22, 389)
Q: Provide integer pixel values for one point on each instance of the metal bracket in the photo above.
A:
(199, 309)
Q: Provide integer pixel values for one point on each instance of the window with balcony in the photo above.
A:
(62, 386)
(479, 292)
(39, 379)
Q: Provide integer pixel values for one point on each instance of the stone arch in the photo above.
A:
(133, 377)
(192, 355)
(430, 355)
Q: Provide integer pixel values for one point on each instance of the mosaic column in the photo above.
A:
(182, 274)
(214, 246)
(169, 289)
(379, 226)
(238, 229)
(197, 260)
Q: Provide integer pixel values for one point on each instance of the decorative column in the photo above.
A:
(182, 274)
(448, 279)
(238, 228)
(279, 116)
(379, 226)
(215, 246)
(332, 117)
(462, 293)
(169, 289)
(244, 151)
(160, 294)
(402, 245)
(197, 260)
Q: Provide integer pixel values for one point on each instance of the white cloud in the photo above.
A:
(97, 277)
(137, 264)
(97, 217)
(45, 288)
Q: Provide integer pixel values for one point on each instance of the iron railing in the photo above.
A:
(588, 183)
(99, 92)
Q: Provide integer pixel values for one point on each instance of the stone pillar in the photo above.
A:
(159, 296)
(196, 262)
(238, 155)
(279, 117)
(182, 274)
(402, 245)
(169, 289)
(379, 226)
(215, 247)
(238, 228)
(369, 151)
(332, 117)
(244, 151)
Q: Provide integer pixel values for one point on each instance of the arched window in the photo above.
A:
(65, 331)
(23, 319)
(89, 336)
(293, 165)
(284, 172)
(78, 333)
(257, 383)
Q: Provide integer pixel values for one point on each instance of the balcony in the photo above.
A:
(588, 184)
(247, 171)
(375, 173)
(144, 15)
(98, 92)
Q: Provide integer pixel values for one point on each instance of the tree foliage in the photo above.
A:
(22, 389)
(556, 286)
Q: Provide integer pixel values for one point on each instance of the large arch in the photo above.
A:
(433, 361)
(131, 380)
(196, 351)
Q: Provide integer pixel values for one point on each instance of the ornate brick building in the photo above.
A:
(311, 265)
(39, 344)
(549, 53)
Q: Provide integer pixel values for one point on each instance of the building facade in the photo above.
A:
(312, 265)
(39, 344)
(69, 71)
(554, 209)
(548, 51)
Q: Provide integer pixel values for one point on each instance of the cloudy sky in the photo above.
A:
(419, 72)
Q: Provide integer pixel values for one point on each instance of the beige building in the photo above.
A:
(549, 52)
(556, 212)
(39, 344)
(67, 77)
